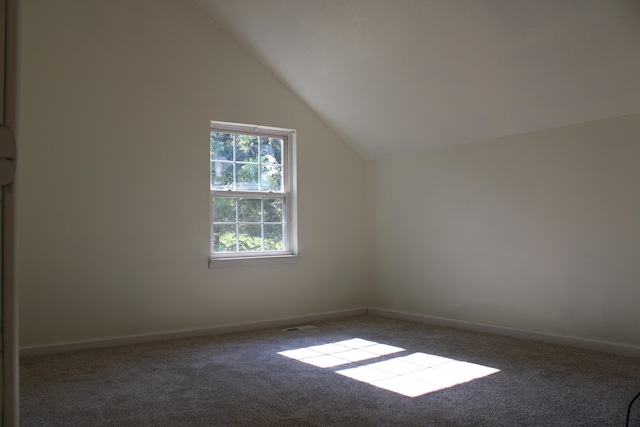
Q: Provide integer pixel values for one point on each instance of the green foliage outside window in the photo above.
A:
(253, 216)
(258, 162)
(247, 163)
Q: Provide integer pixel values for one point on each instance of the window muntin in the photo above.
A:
(252, 191)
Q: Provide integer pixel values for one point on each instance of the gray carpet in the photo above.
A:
(241, 380)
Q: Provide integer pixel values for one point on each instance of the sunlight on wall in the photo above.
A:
(412, 375)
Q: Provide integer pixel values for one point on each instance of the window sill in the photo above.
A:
(253, 261)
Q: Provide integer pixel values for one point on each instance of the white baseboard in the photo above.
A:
(583, 343)
(587, 344)
(217, 330)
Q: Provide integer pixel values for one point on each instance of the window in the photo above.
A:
(253, 205)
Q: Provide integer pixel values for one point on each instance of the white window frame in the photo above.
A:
(288, 193)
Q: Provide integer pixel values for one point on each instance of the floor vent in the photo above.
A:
(299, 328)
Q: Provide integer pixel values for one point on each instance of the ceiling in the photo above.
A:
(395, 76)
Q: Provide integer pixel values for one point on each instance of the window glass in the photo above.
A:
(252, 190)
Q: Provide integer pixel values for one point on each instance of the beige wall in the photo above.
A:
(539, 231)
(115, 99)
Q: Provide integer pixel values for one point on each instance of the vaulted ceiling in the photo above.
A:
(392, 76)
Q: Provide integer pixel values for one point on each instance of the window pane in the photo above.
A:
(247, 176)
(271, 178)
(250, 237)
(273, 210)
(224, 238)
(246, 148)
(273, 237)
(249, 210)
(271, 150)
(221, 146)
(224, 209)
(221, 175)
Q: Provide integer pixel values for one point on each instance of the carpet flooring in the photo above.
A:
(418, 375)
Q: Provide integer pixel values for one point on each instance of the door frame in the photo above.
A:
(10, 343)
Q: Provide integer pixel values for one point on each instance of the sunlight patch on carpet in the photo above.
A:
(412, 375)
(341, 352)
(418, 373)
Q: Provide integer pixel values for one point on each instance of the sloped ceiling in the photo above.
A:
(392, 76)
